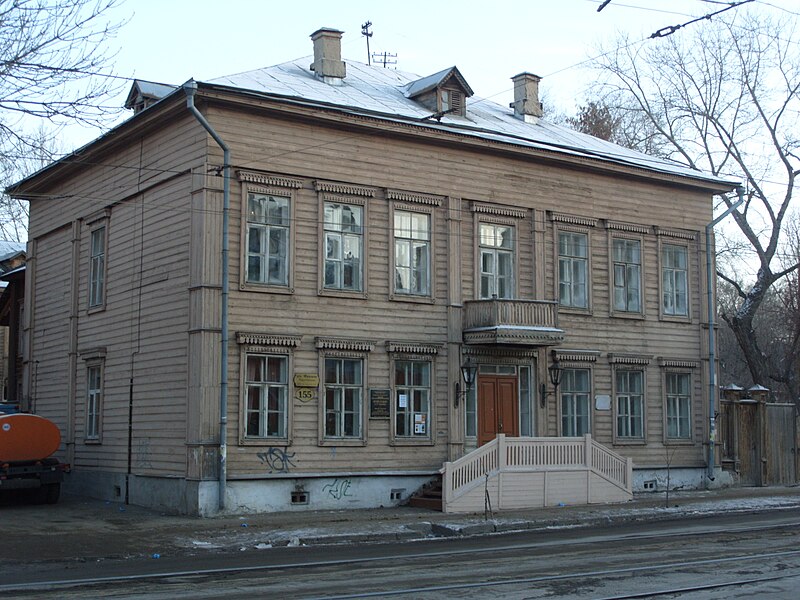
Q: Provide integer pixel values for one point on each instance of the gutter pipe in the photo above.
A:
(190, 88)
(712, 359)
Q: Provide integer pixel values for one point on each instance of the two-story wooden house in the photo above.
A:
(262, 290)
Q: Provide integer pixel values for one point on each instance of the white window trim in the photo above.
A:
(563, 225)
(421, 208)
(680, 368)
(429, 439)
(330, 198)
(578, 366)
(272, 345)
(625, 314)
(260, 183)
(687, 318)
(495, 215)
(628, 366)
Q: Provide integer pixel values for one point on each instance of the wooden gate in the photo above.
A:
(759, 440)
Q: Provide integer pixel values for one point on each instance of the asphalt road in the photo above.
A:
(735, 556)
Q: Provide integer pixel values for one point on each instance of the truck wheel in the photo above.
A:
(51, 492)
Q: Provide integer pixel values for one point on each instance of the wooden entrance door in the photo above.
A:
(498, 407)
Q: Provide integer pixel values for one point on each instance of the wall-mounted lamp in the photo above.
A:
(554, 371)
(469, 371)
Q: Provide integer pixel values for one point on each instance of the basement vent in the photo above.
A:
(397, 494)
(299, 497)
(649, 486)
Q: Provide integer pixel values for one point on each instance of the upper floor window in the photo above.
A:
(674, 280)
(412, 253)
(343, 397)
(627, 275)
(266, 394)
(496, 260)
(268, 229)
(573, 262)
(630, 404)
(678, 405)
(97, 267)
(575, 404)
(412, 388)
(344, 244)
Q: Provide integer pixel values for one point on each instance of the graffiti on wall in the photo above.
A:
(339, 489)
(277, 459)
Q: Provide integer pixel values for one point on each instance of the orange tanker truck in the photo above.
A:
(27, 443)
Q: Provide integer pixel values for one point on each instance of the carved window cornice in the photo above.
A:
(344, 188)
(346, 344)
(415, 197)
(629, 227)
(343, 199)
(412, 347)
(268, 339)
(629, 359)
(265, 179)
(93, 354)
(577, 355)
(499, 211)
(676, 233)
(678, 364)
(573, 220)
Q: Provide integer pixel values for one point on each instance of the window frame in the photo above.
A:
(94, 434)
(620, 439)
(589, 395)
(429, 438)
(587, 273)
(495, 251)
(265, 384)
(323, 289)
(97, 275)
(583, 226)
(689, 439)
(268, 185)
(613, 310)
(361, 439)
(663, 314)
(421, 209)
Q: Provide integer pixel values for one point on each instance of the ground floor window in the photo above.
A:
(630, 404)
(267, 390)
(343, 397)
(575, 390)
(678, 405)
(94, 399)
(412, 392)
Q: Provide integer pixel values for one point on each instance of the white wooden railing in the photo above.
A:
(525, 454)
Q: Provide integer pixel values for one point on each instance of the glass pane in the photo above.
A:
(505, 237)
(278, 210)
(487, 235)
(331, 370)
(255, 368)
(421, 227)
(256, 211)
(402, 224)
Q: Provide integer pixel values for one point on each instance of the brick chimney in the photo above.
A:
(526, 103)
(328, 64)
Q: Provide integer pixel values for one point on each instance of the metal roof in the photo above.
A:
(381, 91)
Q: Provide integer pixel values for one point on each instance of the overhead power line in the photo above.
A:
(669, 30)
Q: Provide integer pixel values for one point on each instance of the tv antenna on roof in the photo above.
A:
(367, 34)
(387, 58)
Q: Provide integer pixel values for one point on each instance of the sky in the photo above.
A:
(171, 41)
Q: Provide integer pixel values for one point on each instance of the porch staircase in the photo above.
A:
(526, 472)
(428, 496)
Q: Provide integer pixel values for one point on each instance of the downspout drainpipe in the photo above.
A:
(190, 87)
(712, 358)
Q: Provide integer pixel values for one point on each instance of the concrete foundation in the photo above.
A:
(686, 478)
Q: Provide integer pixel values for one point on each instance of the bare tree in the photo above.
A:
(723, 97)
(54, 69)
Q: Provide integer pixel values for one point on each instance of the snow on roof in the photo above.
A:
(9, 249)
(383, 92)
(420, 86)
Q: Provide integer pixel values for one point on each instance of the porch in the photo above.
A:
(527, 472)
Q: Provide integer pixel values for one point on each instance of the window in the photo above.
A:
(94, 400)
(630, 404)
(674, 280)
(496, 260)
(412, 380)
(268, 228)
(627, 275)
(525, 402)
(343, 397)
(575, 402)
(266, 392)
(573, 259)
(344, 243)
(678, 406)
(97, 264)
(412, 243)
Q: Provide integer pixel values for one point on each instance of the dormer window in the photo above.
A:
(443, 93)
